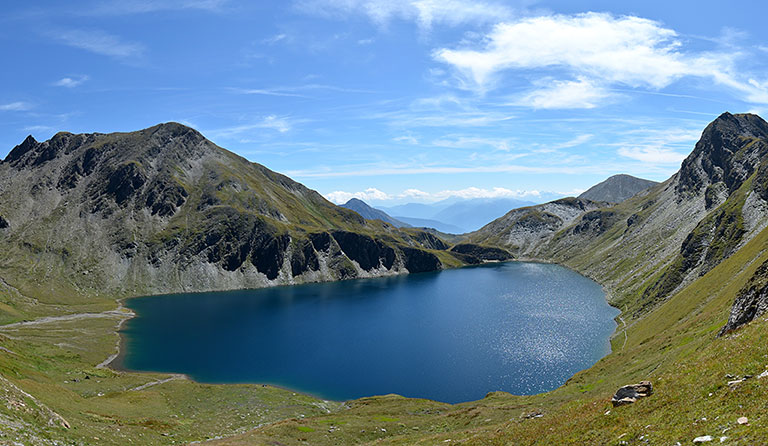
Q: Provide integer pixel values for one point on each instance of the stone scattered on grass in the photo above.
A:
(631, 393)
(704, 439)
(743, 420)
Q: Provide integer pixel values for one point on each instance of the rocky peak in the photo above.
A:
(28, 144)
(617, 188)
(174, 130)
(727, 153)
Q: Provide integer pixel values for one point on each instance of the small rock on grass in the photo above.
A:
(704, 439)
(743, 420)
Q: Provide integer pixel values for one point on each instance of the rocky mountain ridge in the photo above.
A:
(662, 239)
(165, 210)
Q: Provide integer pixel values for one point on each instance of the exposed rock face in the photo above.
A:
(631, 393)
(617, 189)
(713, 159)
(474, 254)
(751, 302)
(165, 210)
(420, 261)
(523, 231)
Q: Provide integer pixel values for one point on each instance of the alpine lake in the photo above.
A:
(450, 336)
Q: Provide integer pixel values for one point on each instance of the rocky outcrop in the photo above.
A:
(368, 253)
(474, 254)
(751, 301)
(631, 393)
(524, 231)
(717, 158)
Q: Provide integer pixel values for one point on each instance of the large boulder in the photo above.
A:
(631, 393)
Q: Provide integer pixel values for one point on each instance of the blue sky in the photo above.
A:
(399, 100)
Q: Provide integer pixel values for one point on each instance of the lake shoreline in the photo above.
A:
(117, 362)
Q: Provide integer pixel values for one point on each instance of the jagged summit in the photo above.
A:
(727, 154)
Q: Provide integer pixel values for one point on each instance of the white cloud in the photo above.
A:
(628, 50)
(408, 139)
(476, 192)
(425, 13)
(15, 106)
(581, 93)
(70, 82)
(374, 194)
(341, 197)
(590, 53)
(99, 42)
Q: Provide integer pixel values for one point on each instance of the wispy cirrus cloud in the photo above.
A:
(280, 124)
(16, 106)
(425, 13)
(298, 91)
(658, 146)
(99, 42)
(274, 39)
(408, 139)
(71, 81)
(115, 7)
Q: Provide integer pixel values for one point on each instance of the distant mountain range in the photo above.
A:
(617, 189)
(452, 216)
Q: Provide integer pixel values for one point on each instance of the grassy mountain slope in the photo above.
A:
(674, 259)
(370, 213)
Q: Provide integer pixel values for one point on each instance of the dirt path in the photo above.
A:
(624, 330)
(119, 312)
(159, 381)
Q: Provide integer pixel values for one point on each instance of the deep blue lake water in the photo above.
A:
(450, 336)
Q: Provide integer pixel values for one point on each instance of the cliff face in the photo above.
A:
(164, 210)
